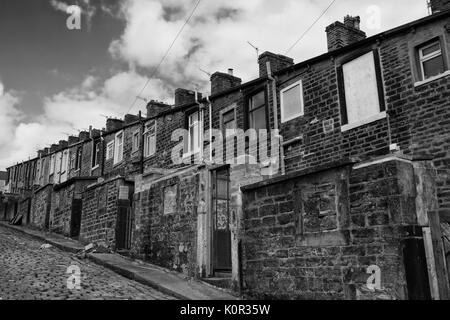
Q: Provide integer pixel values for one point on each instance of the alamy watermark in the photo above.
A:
(73, 22)
(73, 282)
(237, 147)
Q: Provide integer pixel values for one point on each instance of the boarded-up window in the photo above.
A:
(170, 199)
(362, 95)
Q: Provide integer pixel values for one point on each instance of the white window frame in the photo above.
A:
(198, 125)
(135, 143)
(52, 164)
(110, 150)
(118, 147)
(64, 161)
(372, 118)
(425, 58)
(228, 132)
(302, 101)
(94, 155)
(148, 136)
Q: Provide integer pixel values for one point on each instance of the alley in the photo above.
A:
(29, 272)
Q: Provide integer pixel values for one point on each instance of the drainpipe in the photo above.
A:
(275, 114)
(141, 142)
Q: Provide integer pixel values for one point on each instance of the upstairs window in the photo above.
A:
(431, 60)
(194, 133)
(118, 148)
(136, 141)
(150, 139)
(110, 151)
(78, 159)
(64, 161)
(52, 164)
(292, 102)
(229, 125)
(96, 154)
(257, 116)
(361, 91)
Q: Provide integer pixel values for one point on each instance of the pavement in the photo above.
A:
(168, 283)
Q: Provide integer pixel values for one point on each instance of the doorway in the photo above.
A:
(220, 209)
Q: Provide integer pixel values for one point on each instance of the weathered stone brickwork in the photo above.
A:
(41, 207)
(313, 237)
(100, 211)
(167, 239)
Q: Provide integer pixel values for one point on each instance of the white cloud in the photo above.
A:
(216, 39)
(70, 111)
(217, 36)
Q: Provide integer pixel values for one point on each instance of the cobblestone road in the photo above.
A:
(28, 272)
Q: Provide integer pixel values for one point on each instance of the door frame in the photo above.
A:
(211, 213)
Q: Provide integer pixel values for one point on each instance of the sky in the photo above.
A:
(56, 81)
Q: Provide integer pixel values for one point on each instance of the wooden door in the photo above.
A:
(221, 220)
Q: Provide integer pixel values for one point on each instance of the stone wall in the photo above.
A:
(41, 205)
(314, 236)
(99, 214)
(164, 236)
(62, 204)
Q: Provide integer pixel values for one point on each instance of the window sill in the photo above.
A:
(442, 75)
(189, 155)
(149, 156)
(371, 119)
(118, 164)
(284, 121)
(96, 167)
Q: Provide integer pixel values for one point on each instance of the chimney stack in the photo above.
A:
(437, 6)
(54, 148)
(155, 107)
(73, 140)
(223, 81)
(130, 118)
(341, 34)
(84, 135)
(277, 62)
(96, 133)
(113, 124)
(184, 97)
(63, 144)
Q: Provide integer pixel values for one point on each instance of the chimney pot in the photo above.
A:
(341, 34)
(230, 71)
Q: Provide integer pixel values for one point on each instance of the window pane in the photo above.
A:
(257, 100)
(433, 67)
(292, 104)
(229, 116)
(258, 119)
(361, 88)
(431, 49)
(193, 118)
